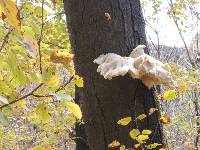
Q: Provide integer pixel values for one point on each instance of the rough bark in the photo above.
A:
(103, 26)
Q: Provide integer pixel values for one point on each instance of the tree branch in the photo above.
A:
(23, 97)
(41, 37)
(65, 84)
(181, 35)
(158, 40)
(35, 95)
(5, 39)
(56, 15)
(59, 89)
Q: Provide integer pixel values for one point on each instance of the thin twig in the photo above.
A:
(23, 97)
(41, 37)
(56, 91)
(35, 89)
(181, 35)
(5, 39)
(151, 40)
(157, 36)
(65, 84)
(39, 96)
(158, 43)
(55, 15)
(193, 65)
(54, 45)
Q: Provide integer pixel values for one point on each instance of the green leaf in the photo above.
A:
(19, 77)
(141, 117)
(7, 111)
(124, 121)
(146, 132)
(152, 146)
(134, 133)
(3, 119)
(43, 113)
(169, 95)
(60, 96)
(4, 100)
(53, 82)
(36, 77)
(74, 109)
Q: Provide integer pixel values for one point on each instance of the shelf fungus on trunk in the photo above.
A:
(138, 65)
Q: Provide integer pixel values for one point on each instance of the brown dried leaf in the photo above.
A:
(9, 10)
(114, 143)
(165, 119)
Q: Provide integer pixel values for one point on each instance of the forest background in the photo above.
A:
(37, 77)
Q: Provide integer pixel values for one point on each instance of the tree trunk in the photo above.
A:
(99, 27)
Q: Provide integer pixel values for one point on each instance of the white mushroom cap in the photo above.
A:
(138, 65)
(113, 65)
(138, 51)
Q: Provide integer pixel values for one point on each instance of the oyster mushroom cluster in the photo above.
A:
(138, 65)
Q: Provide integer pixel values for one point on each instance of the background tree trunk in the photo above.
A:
(99, 27)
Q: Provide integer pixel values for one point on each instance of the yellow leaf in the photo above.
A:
(114, 143)
(54, 81)
(169, 95)
(124, 121)
(10, 10)
(78, 81)
(22, 103)
(153, 146)
(142, 138)
(30, 42)
(74, 109)
(136, 146)
(134, 133)
(146, 132)
(141, 117)
(122, 147)
(1, 77)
